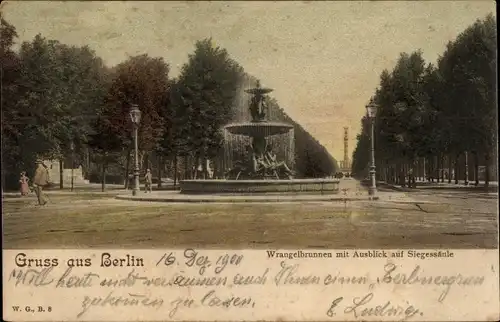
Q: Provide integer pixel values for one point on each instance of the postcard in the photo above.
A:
(249, 161)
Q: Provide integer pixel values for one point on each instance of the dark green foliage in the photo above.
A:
(427, 111)
(52, 94)
(203, 99)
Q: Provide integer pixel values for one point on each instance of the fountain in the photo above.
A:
(259, 160)
(258, 168)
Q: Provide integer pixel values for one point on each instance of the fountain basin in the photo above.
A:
(259, 129)
(242, 187)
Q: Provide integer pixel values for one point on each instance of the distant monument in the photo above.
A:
(345, 165)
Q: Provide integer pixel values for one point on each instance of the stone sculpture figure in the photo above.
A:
(245, 167)
(277, 167)
(258, 105)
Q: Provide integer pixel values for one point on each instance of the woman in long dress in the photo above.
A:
(24, 181)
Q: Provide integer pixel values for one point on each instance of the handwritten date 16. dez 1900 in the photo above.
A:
(193, 258)
(366, 306)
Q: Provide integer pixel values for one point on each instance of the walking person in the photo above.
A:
(24, 181)
(40, 180)
(148, 178)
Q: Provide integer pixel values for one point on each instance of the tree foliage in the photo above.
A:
(55, 95)
(202, 99)
(52, 93)
(10, 63)
(140, 80)
(427, 111)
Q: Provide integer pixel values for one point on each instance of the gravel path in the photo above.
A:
(420, 219)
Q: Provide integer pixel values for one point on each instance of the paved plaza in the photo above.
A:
(421, 218)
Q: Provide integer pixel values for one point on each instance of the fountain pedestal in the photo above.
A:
(242, 187)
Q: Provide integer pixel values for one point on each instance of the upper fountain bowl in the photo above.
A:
(255, 129)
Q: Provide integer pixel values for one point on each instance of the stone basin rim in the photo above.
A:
(258, 124)
(258, 128)
(261, 181)
(294, 186)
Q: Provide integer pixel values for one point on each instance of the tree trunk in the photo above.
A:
(205, 168)
(82, 155)
(159, 165)
(103, 176)
(402, 175)
(418, 169)
(405, 174)
(215, 170)
(411, 173)
(88, 163)
(438, 168)
(142, 156)
(487, 173)
(450, 167)
(476, 168)
(196, 164)
(424, 170)
(441, 167)
(204, 163)
(466, 179)
(186, 167)
(175, 170)
(457, 168)
(146, 163)
(430, 168)
(127, 169)
(61, 173)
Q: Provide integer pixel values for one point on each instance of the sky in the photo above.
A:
(323, 59)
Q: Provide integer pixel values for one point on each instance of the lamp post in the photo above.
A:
(371, 110)
(135, 116)
(72, 148)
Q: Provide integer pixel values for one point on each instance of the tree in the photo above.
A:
(401, 114)
(11, 151)
(203, 98)
(468, 71)
(140, 80)
(361, 153)
(435, 113)
(106, 145)
(56, 90)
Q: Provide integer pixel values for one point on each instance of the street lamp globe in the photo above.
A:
(135, 114)
(371, 109)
